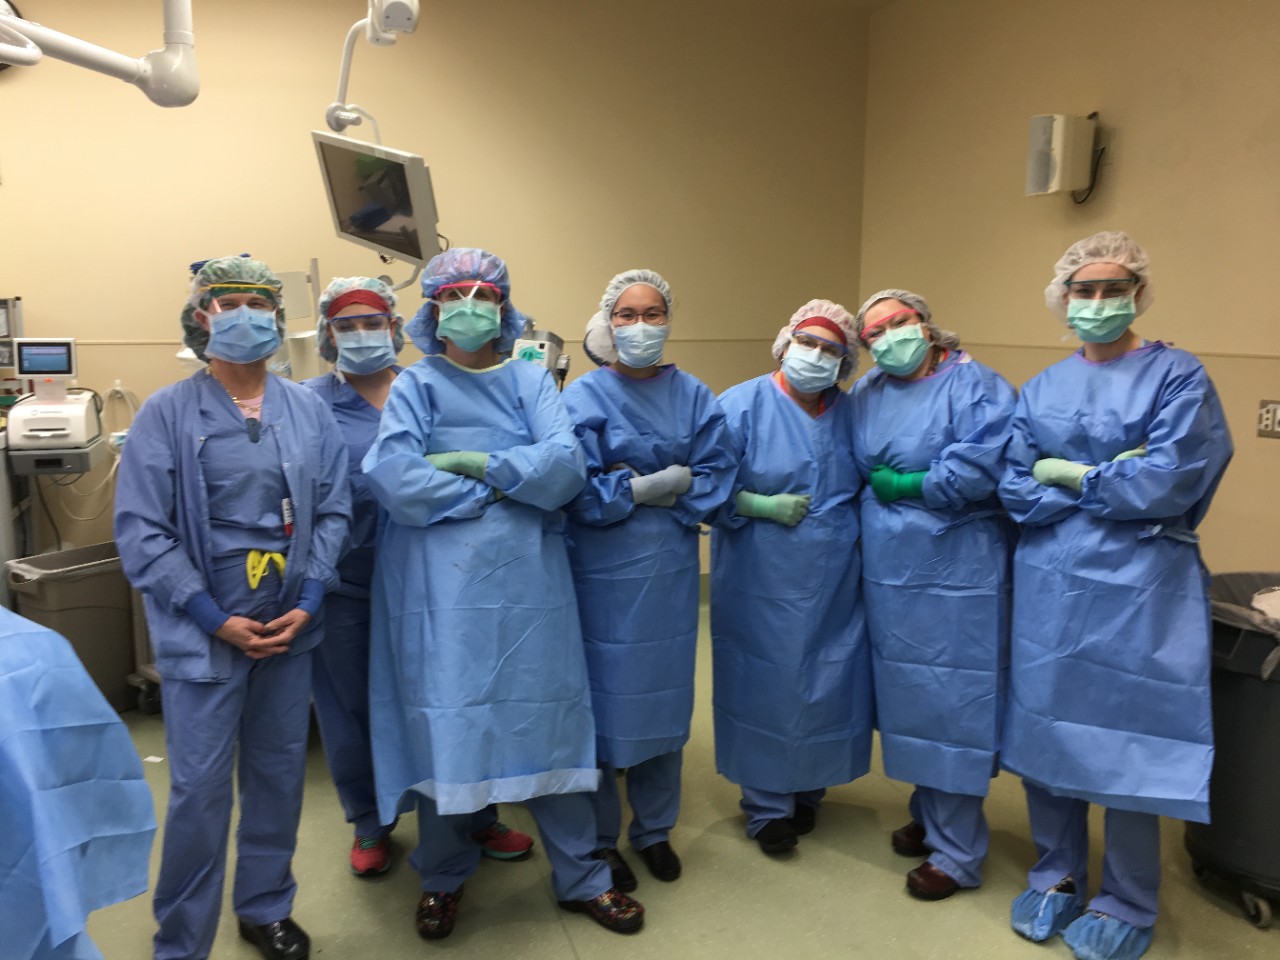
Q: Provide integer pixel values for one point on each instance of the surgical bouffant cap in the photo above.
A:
(598, 341)
(943, 338)
(224, 275)
(1109, 246)
(360, 287)
(454, 266)
(828, 311)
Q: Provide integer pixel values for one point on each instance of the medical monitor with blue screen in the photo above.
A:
(379, 198)
(34, 359)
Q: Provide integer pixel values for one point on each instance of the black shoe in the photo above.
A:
(436, 914)
(661, 860)
(778, 836)
(623, 879)
(804, 819)
(282, 940)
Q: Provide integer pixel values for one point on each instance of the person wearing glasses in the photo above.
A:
(477, 676)
(1115, 456)
(792, 678)
(231, 514)
(930, 429)
(658, 463)
(358, 330)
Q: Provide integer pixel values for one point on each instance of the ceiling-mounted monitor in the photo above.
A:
(380, 198)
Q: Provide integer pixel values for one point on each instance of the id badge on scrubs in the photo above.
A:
(286, 511)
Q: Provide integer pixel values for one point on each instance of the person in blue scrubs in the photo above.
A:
(478, 680)
(358, 330)
(77, 813)
(930, 429)
(658, 464)
(1115, 456)
(792, 675)
(231, 513)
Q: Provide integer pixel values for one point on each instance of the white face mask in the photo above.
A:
(640, 344)
(808, 369)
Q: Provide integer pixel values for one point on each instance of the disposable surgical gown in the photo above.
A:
(478, 682)
(935, 570)
(1109, 689)
(76, 813)
(636, 567)
(792, 679)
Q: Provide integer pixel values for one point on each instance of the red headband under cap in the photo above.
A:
(358, 295)
(825, 324)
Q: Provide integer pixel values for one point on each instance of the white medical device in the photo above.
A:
(543, 348)
(52, 430)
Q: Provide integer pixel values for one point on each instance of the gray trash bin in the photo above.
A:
(1241, 843)
(83, 595)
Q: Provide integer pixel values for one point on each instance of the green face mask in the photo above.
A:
(1101, 321)
(900, 352)
(470, 324)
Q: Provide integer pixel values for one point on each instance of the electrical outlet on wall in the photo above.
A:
(1269, 419)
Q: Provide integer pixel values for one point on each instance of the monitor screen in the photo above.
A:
(45, 358)
(379, 198)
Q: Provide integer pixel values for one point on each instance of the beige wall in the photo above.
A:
(719, 143)
(1186, 92)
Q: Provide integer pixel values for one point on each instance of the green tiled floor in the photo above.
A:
(840, 894)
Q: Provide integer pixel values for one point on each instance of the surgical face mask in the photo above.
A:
(900, 351)
(640, 344)
(364, 351)
(470, 323)
(1101, 321)
(808, 369)
(242, 335)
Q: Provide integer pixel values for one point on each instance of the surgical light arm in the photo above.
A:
(386, 19)
(168, 76)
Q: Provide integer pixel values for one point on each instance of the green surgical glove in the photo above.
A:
(1054, 471)
(787, 509)
(1130, 454)
(890, 485)
(465, 463)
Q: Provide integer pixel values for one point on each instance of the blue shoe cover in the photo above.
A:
(1096, 936)
(1042, 916)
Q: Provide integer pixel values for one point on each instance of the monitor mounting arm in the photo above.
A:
(386, 19)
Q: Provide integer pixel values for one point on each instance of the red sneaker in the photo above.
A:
(370, 856)
(502, 843)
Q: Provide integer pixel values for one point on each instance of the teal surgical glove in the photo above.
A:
(661, 487)
(1054, 471)
(890, 485)
(787, 509)
(465, 463)
(1130, 454)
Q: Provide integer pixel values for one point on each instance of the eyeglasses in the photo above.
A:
(893, 321)
(655, 317)
(469, 290)
(1105, 289)
(360, 321)
(828, 348)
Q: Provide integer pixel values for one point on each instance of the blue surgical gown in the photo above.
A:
(76, 812)
(935, 570)
(477, 678)
(636, 567)
(792, 691)
(1109, 673)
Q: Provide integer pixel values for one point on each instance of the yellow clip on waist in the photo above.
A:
(257, 564)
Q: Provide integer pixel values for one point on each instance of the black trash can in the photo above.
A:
(1241, 843)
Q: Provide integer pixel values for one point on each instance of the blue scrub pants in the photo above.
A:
(761, 806)
(955, 832)
(653, 792)
(264, 711)
(1131, 855)
(446, 855)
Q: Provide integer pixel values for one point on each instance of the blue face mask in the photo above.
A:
(1101, 321)
(808, 369)
(640, 344)
(242, 335)
(900, 351)
(364, 351)
(470, 324)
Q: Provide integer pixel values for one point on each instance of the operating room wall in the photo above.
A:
(1186, 96)
(719, 143)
